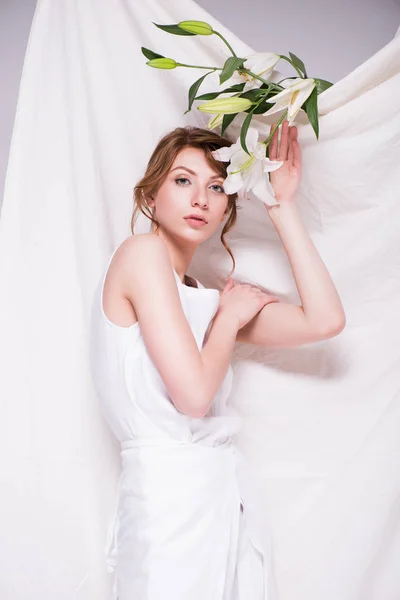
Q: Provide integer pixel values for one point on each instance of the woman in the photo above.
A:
(187, 526)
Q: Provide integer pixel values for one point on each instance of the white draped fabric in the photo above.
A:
(321, 422)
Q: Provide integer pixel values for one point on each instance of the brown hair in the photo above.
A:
(162, 160)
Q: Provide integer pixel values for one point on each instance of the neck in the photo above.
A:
(180, 253)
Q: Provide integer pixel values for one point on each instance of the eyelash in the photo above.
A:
(186, 179)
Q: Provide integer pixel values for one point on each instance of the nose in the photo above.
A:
(200, 198)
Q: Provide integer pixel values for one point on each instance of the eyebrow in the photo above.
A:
(194, 173)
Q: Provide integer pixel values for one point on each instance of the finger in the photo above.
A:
(284, 145)
(271, 300)
(291, 151)
(229, 285)
(296, 153)
(273, 145)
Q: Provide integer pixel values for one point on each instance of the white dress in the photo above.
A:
(187, 525)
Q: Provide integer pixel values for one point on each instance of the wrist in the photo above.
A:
(227, 321)
(282, 210)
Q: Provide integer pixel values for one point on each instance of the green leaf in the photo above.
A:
(173, 29)
(262, 107)
(230, 66)
(195, 87)
(253, 95)
(322, 85)
(226, 121)
(149, 54)
(311, 108)
(243, 131)
(299, 63)
(260, 98)
(208, 96)
(238, 87)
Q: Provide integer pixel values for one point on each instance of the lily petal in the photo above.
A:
(253, 176)
(252, 84)
(251, 139)
(282, 105)
(272, 165)
(298, 100)
(263, 191)
(238, 160)
(233, 183)
(259, 151)
(262, 63)
(223, 154)
(295, 86)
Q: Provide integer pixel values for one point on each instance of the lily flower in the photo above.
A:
(249, 173)
(261, 63)
(292, 97)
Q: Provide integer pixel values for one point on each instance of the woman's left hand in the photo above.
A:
(286, 179)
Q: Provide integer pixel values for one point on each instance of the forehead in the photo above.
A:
(194, 159)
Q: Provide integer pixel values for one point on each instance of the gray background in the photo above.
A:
(332, 37)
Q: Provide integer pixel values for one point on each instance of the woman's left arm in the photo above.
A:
(321, 313)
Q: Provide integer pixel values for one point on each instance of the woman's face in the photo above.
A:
(191, 187)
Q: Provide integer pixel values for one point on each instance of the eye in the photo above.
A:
(179, 180)
(220, 190)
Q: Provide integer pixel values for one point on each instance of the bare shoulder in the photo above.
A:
(131, 256)
(144, 266)
(137, 250)
(138, 243)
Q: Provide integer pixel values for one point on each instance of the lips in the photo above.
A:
(196, 217)
(195, 222)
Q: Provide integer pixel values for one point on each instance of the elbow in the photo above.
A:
(198, 413)
(195, 412)
(199, 409)
(332, 327)
(194, 407)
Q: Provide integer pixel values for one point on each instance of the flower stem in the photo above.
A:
(293, 65)
(198, 67)
(268, 83)
(225, 42)
(267, 141)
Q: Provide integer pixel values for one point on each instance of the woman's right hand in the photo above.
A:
(243, 301)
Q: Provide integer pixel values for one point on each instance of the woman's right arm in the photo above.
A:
(192, 377)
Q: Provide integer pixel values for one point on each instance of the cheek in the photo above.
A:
(227, 209)
(164, 196)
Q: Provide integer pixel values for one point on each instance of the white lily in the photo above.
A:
(292, 98)
(249, 173)
(261, 64)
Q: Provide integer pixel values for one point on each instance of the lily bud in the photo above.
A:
(226, 106)
(196, 27)
(162, 63)
(215, 121)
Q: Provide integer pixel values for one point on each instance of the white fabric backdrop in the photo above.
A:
(322, 421)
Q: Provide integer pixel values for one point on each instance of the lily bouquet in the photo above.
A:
(247, 87)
